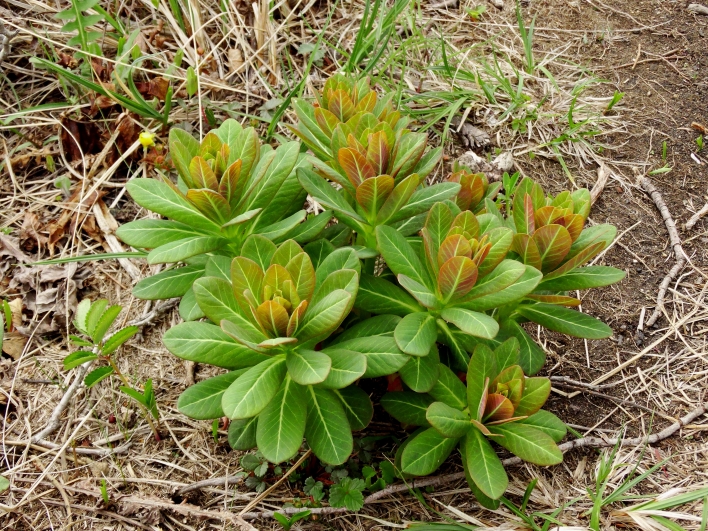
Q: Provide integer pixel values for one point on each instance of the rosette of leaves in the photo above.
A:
(344, 107)
(499, 405)
(273, 313)
(550, 238)
(362, 144)
(449, 280)
(474, 188)
(230, 186)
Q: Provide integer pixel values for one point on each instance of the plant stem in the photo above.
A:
(146, 412)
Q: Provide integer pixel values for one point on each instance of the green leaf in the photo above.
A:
(216, 299)
(504, 275)
(347, 367)
(528, 443)
(380, 296)
(203, 400)
(482, 366)
(448, 421)
(97, 375)
(344, 258)
(426, 452)
(282, 229)
(311, 228)
(242, 434)
(416, 334)
(324, 316)
(357, 406)
(565, 320)
(483, 465)
(165, 200)
(189, 310)
(327, 431)
(94, 315)
(406, 407)
(347, 493)
(524, 285)
(183, 249)
(421, 293)
(449, 389)
(77, 358)
(426, 197)
(531, 356)
(151, 233)
(307, 367)
(104, 323)
(327, 196)
(584, 278)
(81, 316)
(117, 339)
(548, 423)
(399, 254)
(382, 354)
(207, 343)
(4, 483)
(218, 266)
(258, 249)
(590, 235)
(473, 323)
(254, 389)
(379, 325)
(421, 373)
(536, 392)
(398, 198)
(482, 498)
(171, 283)
(281, 425)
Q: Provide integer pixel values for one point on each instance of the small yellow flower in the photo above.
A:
(147, 139)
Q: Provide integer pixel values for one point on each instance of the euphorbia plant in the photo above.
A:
(499, 405)
(362, 144)
(230, 186)
(278, 309)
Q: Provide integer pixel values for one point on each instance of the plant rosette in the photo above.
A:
(362, 144)
(229, 187)
(499, 405)
(274, 313)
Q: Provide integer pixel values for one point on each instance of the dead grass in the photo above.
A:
(247, 64)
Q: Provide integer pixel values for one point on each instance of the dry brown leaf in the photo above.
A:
(235, 58)
(13, 344)
(16, 310)
(10, 246)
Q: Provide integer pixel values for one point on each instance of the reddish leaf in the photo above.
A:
(367, 103)
(579, 259)
(454, 245)
(275, 275)
(457, 277)
(273, 318)
(378, 152)
(246, 275)
(355, 166)
(202, 174)
(326, 120)
(498, 407)
(553, 243)
(428, 245)
(574, 223)
(211, 144)
(523, 214)
(466, 223)
(398, 198)
(526, 248)
(372, 193)
(296, 317)
(231, 185)
(211, 204)
(547, 215)
(473, 186)
(341, 105)
(482, 253)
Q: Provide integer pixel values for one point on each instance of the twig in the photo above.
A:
(613, 398)
(585, 442)
(695, 217)
(698, 9)
(675, 240)
(213, 482)
(5, 38)
(576, 383)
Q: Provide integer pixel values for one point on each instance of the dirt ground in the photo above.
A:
(654, 53)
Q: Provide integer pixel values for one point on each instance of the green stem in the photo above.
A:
(146, 412)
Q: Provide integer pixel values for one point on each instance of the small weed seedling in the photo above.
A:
(94, 320)
(286, 522)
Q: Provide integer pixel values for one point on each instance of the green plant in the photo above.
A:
(526, 34)
(104, 492)
(287, 523)
(499, 404)
(616, 98)
(699, 142)
(76, 21)
(277, 309)
(230, 187)
(93, 320)
(476, 13)
(362, 144)
(349, 493)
